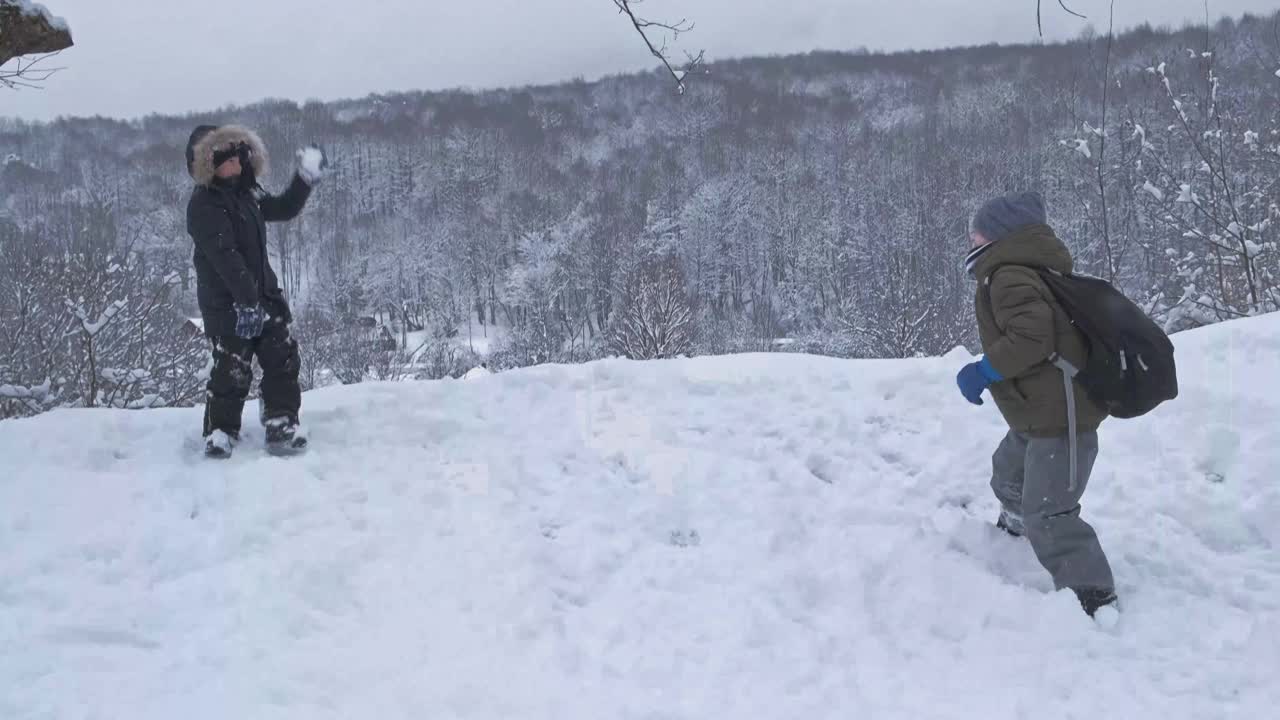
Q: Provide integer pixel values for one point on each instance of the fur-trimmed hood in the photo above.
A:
(208, 139)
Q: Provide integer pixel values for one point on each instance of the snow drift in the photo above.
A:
(760, 536)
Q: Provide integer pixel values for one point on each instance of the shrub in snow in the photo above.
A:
(1217, 218)
(655, 320)
(86, 325)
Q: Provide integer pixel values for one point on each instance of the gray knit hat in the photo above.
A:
(999, 218)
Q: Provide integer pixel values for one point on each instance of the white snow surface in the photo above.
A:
(477, 372)
(754, 536)
(482, 340)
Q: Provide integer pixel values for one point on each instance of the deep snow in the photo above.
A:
(760, 536)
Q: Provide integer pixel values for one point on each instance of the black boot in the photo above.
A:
(285, 436)
(218, 445)
(1010, 524)
(1094, 599)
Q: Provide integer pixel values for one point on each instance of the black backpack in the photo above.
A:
(1131, 368)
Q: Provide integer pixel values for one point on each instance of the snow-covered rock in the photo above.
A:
(34, 9)
(478, 371)
(754, 536)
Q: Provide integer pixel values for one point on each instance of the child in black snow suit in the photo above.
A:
(245, 312)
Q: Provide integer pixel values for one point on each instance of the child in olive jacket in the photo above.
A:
(1022, 327)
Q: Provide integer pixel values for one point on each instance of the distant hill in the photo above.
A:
(821, 198)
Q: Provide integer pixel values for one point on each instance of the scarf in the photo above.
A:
(971, 260)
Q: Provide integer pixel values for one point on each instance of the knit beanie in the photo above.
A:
(999, 218)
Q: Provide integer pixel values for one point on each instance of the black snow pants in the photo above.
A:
(232, 375)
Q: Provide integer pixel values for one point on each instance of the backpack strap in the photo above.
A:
(1069, 373)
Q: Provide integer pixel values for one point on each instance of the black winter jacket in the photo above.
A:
(227, 223)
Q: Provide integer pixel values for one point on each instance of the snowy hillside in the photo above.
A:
(764, 536)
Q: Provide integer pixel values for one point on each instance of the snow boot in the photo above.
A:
(218, 445)
(1010, 523)
(285, 436)
(1100, 604)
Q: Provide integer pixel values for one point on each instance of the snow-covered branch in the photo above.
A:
(1062, 4)
(92, 327)
(645, 27)
(28, 29)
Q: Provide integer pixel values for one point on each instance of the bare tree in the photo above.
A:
(1093, 146)
(1220, 219)
(1063, 3)
(655, 320)
(645, 26)
(92, 326)
(31, 36)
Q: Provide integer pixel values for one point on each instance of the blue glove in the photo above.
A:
(976, 377)
(249, 321)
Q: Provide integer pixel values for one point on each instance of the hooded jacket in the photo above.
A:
(226, 220)
(1021, 325)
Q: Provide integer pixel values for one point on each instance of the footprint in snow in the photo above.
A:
(821, 467)
(685, 538)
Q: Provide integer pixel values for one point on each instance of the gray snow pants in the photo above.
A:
(1031, 479)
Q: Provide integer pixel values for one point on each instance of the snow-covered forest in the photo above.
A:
(814, 203)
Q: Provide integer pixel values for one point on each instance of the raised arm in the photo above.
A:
(285, 207)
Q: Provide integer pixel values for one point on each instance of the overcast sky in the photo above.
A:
(136, 57)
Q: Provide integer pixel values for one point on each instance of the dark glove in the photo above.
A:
(249, 321)
(976, 377)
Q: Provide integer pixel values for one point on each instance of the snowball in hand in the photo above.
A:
(311, 164)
